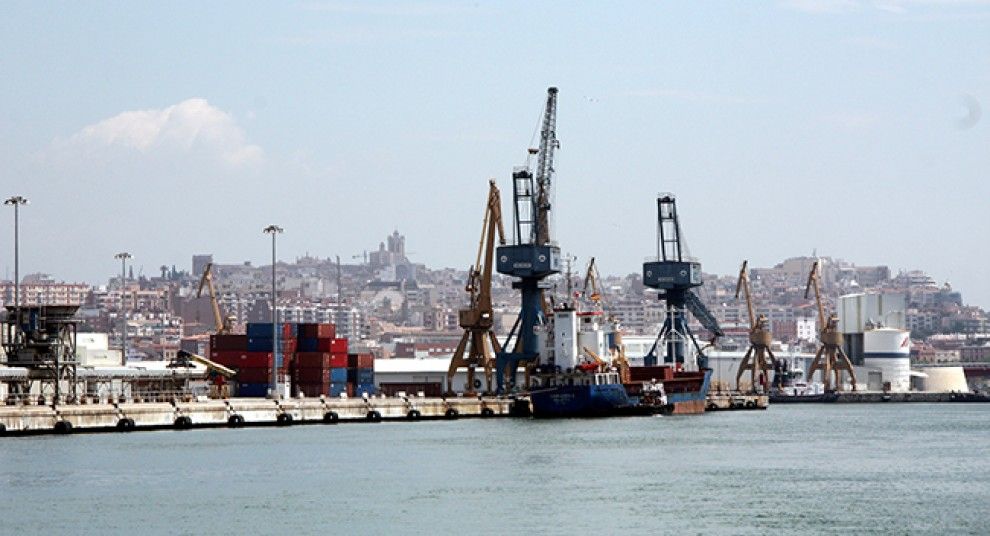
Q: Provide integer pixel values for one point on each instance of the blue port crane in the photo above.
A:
(532, 256)
(674, 274)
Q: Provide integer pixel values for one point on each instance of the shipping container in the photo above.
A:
(337, 389)
(313, 390)
(311, 375)
(360, 361)
(254, 375)
(264, 329)
(361, 389)
(317, 331)
(264, 344)
(228, 342)
(252, 389)
(645, 374)
(338, 360)
(338, 346)
(313, 360)
(307, 345)
(338, 375)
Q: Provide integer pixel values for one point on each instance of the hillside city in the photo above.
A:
(387, 304)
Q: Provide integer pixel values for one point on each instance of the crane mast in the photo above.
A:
(223, 325)
(478, 341)
(674, 275)
(544, 168)
(532, 257)
(831, 360)
(759, 359)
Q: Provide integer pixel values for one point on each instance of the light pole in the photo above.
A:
(16, 201)
(274, 230)
(123, 256)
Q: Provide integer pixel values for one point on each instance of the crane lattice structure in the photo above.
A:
(759, 359)
(674, 275)
(479, 341)
(223, 324)
(830, 359)
(532, 257)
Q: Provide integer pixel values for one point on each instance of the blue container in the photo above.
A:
(337, 389)
(260, 344)
(338, 375)
(306, 345)
(365, 376)
(259, 329)
(252, 389)
(364, 388)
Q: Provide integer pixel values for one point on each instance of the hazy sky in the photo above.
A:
(850, 127)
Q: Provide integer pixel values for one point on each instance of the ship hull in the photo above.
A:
(580, 401)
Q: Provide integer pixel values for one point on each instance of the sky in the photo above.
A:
(854, 129)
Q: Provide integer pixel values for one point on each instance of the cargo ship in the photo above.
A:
(685, 392)
(588, 375)
(598, 394)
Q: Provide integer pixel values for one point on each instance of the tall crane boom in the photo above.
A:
(532, 257)
(830, 359)
(222, 324)
(479, 341)
(544, 168)
(759, 359)
(674, 274)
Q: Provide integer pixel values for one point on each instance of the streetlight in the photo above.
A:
(123, 256)
(16, 201)
(274, 230)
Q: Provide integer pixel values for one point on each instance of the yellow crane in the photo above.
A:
(759, 358)
(224, 325)
(591, 281)
(830, 359)
(478, 345)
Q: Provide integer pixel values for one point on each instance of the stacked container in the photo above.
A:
(361, 373)
(254, 358)
(318, 357)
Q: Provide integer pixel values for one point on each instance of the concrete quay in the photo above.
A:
(237, 412)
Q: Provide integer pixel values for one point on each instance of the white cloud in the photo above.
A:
(191, 127)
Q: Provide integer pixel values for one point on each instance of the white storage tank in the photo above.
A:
(888, 351)
(945, 380)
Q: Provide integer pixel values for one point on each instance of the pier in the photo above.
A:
(237, 412)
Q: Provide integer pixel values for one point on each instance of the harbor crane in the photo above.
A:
(532, 256)
(830, 359)
(591, 282)
(479, 342)
(223, 324)
(759, 359)
(674, 274)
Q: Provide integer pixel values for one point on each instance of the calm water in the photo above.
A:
(854, 469)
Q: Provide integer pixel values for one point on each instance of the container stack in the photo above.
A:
(361, 374)
(319, 355)
(254, 358)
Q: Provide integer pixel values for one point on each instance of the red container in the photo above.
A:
(228, 342)
(313, 390)
(338, 346)
(338, 360)
(645, 374)
(360, 361)
(241, 360)
(311, 375)
(320, 360)
(254, 375)
(350, 389)
(317, 331)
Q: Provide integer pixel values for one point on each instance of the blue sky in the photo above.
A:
(854, 128)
